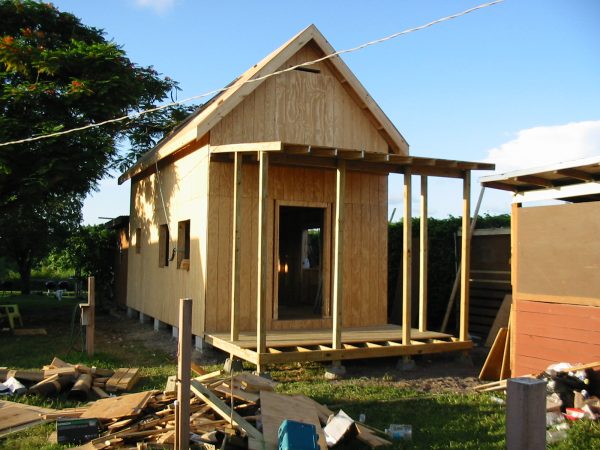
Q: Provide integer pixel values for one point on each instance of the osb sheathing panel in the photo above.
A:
(301, 107)
(365, 243)
(155, 290)
(558, 253)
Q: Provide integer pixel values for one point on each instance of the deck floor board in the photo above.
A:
(293, 338)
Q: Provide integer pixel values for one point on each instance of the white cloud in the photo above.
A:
(539, 146)
(159, 6)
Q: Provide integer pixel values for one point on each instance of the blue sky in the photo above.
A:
(517, 83)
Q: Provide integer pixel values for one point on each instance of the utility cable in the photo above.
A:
(253, 80)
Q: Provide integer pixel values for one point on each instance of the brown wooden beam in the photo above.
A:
(465, 258)
(262, 269)
(536, 181)
(338, 254)
(236, 251)
(577, 174)
(423, 257)
(406, 260)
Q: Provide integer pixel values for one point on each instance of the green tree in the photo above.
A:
(29, 232)
(89, 251)
(57, 74)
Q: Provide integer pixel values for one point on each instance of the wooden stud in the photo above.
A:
(91, 316)
(236, 256)
(261, 309)
(338, 254)
(423, 253)
(182, 426)
(406, 260)
(465, 258)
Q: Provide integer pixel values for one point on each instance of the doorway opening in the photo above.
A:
(301, 265)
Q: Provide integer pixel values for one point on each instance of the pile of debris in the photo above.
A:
(240, 411)
(79, 381)
(573, 393)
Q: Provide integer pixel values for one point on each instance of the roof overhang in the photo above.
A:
(290, 154)
(573, 181)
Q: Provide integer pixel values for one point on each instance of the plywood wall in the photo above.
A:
(558, 253)
(547, 333)
(301, 107)
(153, 290)
(365, 261)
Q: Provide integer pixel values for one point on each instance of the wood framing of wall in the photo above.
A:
(365, 240)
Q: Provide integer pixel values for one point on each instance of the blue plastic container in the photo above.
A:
(297, 436)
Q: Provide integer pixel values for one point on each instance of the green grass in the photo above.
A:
(439, 421)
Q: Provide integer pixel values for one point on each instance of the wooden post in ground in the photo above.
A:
(465, 258)
(236, 256)
(407, 260)
(184, 367)
(338, 255)
(526, 414)
(261, 294)
(423, 259)
(91, 317)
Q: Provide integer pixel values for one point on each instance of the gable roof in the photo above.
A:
(209, 114)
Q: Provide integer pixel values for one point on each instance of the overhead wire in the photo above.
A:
(137, 114)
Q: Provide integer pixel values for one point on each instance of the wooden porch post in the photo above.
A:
(406, 260)
(338, 254)
(465, 249)
(236, 256)
(261, 294)
(423, 253)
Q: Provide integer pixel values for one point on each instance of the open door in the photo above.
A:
(301, 291)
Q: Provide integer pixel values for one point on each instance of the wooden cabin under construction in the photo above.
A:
(268, 207)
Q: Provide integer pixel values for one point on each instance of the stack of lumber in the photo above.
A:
(224, 410)
(77, 380)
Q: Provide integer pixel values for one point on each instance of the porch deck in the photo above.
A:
(316, 345)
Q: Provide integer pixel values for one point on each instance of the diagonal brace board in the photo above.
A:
(223, 410)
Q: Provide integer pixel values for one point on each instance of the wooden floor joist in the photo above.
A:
(315, 345)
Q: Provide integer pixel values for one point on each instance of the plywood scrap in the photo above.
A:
(117, 407)
(124, 379)
(492, 367)
(275, 408)
(235, 390)
(17, 416)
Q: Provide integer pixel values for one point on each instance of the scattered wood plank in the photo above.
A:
(17, 416)
(493, 364)
(224, 411)
(591, 365)
(101, 393)
(369, 438)
(236, 392)
(118, 407)
(123, 379)
(253, 383)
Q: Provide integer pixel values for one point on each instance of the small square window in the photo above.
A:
(183, 245)
(163, 246)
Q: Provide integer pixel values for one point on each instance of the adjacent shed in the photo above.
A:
(268, 207)
(555, 264)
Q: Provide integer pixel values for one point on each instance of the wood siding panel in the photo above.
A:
(153, 290)
(365, 299)
(301, 107)
(548, 333)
